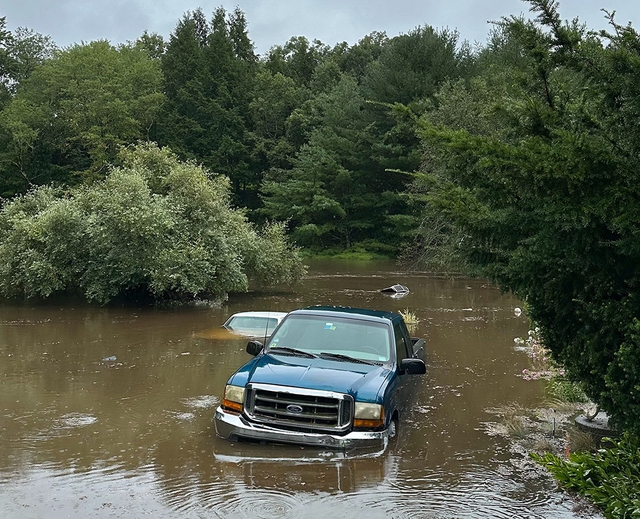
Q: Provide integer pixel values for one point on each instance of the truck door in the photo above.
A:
(403, 351)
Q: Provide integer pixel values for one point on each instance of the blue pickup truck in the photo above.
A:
(333, 377)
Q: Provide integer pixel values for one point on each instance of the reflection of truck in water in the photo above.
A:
(328, 376)
(292, 469)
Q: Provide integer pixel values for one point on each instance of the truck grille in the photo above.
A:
(299, 409)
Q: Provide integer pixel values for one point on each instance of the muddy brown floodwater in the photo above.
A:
(107, 412)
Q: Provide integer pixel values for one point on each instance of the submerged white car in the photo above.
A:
(254, 324)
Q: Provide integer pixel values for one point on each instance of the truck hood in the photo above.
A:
(364, 382)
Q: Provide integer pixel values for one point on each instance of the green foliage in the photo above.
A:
(411, 66)
(7, 63)
(565, 390)
(609, 477)
(344, 185)
(72, 113)
(20, 53)
(39, 233)
(271, 259)
(295, 122)
(543, 197)
(334, 194)
(28, 50)
(297, 59)
(154, 226)
(274, 99)
(152, 43)
(357, 59)
(209, 69)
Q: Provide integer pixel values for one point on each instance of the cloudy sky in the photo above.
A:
(273, 22)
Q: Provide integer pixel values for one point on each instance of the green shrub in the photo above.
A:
(41, 234)
(609, 477)
(155, 225)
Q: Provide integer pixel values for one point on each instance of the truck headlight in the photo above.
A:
(369, 416)
(233, 398)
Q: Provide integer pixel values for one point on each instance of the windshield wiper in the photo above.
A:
(339, 356)
(292, 351)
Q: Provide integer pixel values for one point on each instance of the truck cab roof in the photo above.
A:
(348, 310)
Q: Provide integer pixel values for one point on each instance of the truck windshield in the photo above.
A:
(357, 338)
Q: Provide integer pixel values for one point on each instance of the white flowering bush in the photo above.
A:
(544, 368)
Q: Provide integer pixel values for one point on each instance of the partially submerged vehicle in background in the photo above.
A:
(396, 291)
(333, 377)
(254, 324)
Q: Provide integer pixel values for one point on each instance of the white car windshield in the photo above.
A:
(252, 324)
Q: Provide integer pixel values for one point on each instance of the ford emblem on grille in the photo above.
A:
(294, 408)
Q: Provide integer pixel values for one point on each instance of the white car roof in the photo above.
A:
(278, 315)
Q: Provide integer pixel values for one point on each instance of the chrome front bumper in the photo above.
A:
(234, 426)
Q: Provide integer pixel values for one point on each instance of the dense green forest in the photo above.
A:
(302, 133)
(186, 167)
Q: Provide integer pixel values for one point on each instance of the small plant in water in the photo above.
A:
(409, 317)
(565, 390)
(514, 422)
(516, 426)
(542, 446)
(582, 441)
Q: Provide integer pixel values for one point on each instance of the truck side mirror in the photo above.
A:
(413, 366)
(254, 347)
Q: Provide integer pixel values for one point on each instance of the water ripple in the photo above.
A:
(432, 503)
(188, 495)
(201, 402)
(261, 504)
(73, 420)
(436, 495)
